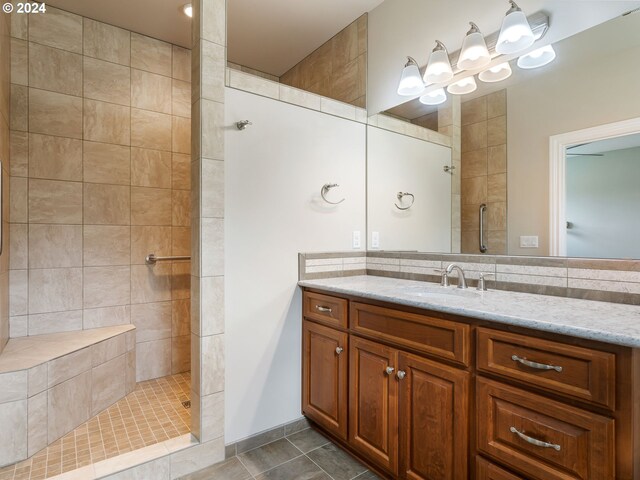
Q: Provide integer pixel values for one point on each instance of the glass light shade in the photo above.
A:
(466, 85)
(496, 74)
(411, 81)
(474, 53)
(537, 58)
(436, 97)
(515, 34)
(439, 67)
(188, 10)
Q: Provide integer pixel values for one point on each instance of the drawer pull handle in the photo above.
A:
(533, 441)
(322, 309)
(536, 365)
(389, 370)
(339, 350)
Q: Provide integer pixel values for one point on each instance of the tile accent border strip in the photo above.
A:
(616, 281)
(268, 436)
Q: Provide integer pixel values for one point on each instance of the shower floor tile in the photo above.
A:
(152, 413)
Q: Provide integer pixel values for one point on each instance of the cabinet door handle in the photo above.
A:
(389, 370)
(536, 365)
(401, 374)
(339, 350)
(322, 309)
(534, 441)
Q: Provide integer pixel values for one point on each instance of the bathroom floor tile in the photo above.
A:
(300, 468)
(308, 440)
(269, 456)
(337, 463)
(231, 469)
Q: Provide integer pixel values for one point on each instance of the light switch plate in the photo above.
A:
(356, 239)
(530, 241)
(375, 239)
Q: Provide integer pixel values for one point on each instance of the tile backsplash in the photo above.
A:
(616, 281)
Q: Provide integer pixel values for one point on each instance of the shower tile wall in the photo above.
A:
(5, 68)
(100, 177)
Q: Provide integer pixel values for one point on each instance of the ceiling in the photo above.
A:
(270, 36)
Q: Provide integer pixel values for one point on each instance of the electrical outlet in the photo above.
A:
(356, 239)
(375, 239)
(529, 241)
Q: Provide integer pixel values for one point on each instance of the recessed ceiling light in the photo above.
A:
(188, 10)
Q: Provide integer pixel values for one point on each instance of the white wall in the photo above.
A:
(273, 210)
(400, 163)
(603, 196)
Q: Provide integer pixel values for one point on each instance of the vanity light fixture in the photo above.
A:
(435, 97)
(496, 74)
(474, 53)
(187, 9)
(537, 58)
(515, 34)
(411, 81)
(463, 86)
(439, 66)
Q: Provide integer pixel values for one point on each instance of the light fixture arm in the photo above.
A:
(514, 7)
(439, 46)
(474, 28)
(411, 61)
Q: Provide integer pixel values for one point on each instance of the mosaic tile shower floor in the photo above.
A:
(151, 414)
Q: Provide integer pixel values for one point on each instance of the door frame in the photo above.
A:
(557, 174)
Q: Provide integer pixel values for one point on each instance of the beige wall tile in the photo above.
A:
(474, 111)
(106, 204)
(497, 242)
(107, 81)
(108, 349)
(180, 354)
(150, 206)
(180, 280)
(153, 359)
(130, 372)
(181, 317)
(474, 137)
(150, 168)
(19, 108)
(106, 286)
(37, 423)
(106, 122)
(55, 246)
(146, 240)
(181, 135)
(13, 417)
(213, 17)
(150, 283)
(108, 384)
(19, 25)
(18, 246)
(497, 216)
(106, 317)
(497, 188)
(152, 321)
(18, 203)
(68, 366)
(212, 321)
(497, 159)
(469, 241)
(19, 148)
(470, 217)
(212, 189)
(180, 172)
(14, 386)
(38, 379)
(55, 114)
(212, 370)
(181, 241)
(45, 323)
(69, 405)
(150, 55)
(55, 202)
(150, 130)
(56, 70)
(497, 104)
(213, 140)
(107, 42)
(474, 163)
(106, 163)
(181, 98)
(150, 91)
(106, 245)
(18, 292)
(55, 290)
(345, 45)
(19, 62)
(212, 244)
(181, 208)
(55, 158)
(58, 29)
(213, 71)
(497, 130)
(474, 190)
(181, 64)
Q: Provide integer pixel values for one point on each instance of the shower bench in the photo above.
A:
(50, 384)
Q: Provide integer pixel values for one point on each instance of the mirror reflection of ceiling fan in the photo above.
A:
(569, 154)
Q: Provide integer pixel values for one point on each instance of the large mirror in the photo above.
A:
(505, 162)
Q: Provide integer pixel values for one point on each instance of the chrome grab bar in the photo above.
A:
(535, 441)
(483, 247)
(151, 259)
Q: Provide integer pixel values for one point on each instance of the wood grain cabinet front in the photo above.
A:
(488, 471)
(324, 377)
(331, 311)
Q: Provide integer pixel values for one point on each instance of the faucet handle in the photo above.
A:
(482, 284)
(444, 277)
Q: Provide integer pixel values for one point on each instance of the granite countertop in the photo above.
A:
(605, 322)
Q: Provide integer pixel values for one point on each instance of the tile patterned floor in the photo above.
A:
(152, 413)
(304, 455)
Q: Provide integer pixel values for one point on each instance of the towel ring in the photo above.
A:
(325, 189)
(405, 194)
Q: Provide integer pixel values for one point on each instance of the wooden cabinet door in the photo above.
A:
(488, 471)
(373, 401)
(324, 377)
(434, 420)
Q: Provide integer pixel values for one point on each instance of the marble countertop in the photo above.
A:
(605, 322)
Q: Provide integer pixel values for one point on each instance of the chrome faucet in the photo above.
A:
(462, 282)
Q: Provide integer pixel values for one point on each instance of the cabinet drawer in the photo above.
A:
(329, 310)
(435, 336)
(488, 471)
(566, 369)
(542, 438)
